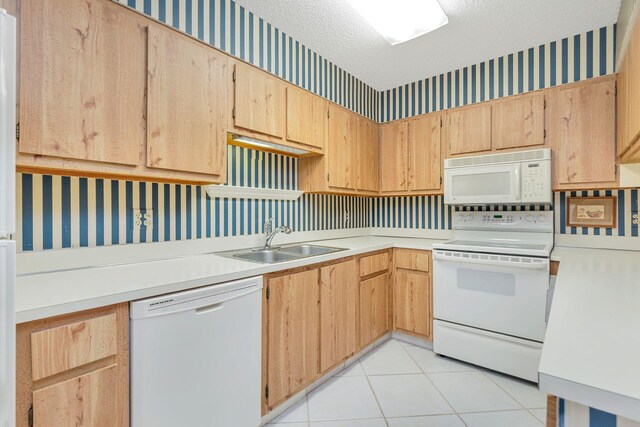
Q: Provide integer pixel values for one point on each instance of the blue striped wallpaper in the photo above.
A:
(571, 414)
(61, 212)
(580, 57)
(237, 31)
(627, 200)
(415, 212)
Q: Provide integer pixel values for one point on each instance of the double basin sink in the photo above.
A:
(280, 254)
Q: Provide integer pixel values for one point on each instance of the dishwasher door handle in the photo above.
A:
(210, 308)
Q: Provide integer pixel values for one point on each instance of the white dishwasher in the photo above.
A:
(196, 357)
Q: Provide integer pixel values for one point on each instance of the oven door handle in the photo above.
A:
(492, 260)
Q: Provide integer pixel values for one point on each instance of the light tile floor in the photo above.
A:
(401, 385)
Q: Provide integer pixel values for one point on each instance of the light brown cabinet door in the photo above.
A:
(374, 308)
(87, 400)
(187, 105)
(586, 133)
(83, 81)
(260, 101)
(424, 153)
(306, 118)
(292, 333)
(469, 129)
(628, 114)
(338, 298)
(368, 156)
(393, 157)
(342, 148)
(412, 302)
(518, 121)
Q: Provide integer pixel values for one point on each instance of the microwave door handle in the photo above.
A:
(487, 262)
(518, 179)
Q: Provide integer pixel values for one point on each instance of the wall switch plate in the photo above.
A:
(142, 219)
(635, 218)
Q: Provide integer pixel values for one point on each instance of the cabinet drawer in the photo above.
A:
(410, 259)
(374, 263)
(88, 400)
(66, 347)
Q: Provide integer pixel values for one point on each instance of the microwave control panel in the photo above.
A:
(536, 182)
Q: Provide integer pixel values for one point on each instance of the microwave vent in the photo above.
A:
(513, 157)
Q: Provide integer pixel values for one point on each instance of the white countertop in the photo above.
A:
(50, 294)
(591, 353)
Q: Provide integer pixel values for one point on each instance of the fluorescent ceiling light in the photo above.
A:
(264, 144)
(401, 20)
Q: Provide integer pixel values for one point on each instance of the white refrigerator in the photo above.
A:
(7, 218)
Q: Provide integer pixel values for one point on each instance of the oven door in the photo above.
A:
(499, 184)
(501, 293)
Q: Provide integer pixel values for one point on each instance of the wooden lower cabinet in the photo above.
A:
(291, 336)
(73, 370)
(412, 294)
(338, 299)
(374, 308)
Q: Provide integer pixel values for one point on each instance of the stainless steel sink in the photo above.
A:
(280, 254)
(309, 250)
(265, 257)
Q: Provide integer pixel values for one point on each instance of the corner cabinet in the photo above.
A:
(628, 118)
(411, 149)
(105, 91)
(74, 370)
(350, 163)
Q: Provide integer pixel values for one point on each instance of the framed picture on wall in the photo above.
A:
(592, 211)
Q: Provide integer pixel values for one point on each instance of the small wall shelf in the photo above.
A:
(231, 191)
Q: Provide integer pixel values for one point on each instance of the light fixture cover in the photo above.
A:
(265, 144)
(401, 20)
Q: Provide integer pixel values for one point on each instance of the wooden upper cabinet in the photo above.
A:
(586, 131)
(469, 129)
(307, 117)
(425, 169)
(83, 81)
(342, 150)
(368, 160)
(518, 121)
(187, 105)
(628, 114)
(292, 333)
(260, 101)
(393, 156)
(338, 299)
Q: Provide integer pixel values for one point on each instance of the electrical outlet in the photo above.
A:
(142, 219)
(635, 219)
(347, 218)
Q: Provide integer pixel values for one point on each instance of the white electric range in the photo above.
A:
(491, 288)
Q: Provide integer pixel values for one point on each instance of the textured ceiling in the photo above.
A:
(478, 30)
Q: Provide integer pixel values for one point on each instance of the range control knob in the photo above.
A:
(469, 217)
(529, 218)
(460, 217)
(541, 218)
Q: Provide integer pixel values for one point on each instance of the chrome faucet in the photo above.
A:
(271, 232)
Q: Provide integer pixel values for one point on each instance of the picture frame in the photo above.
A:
(598, 212)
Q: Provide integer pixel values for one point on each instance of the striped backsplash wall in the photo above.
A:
(233, 29)
(627, 204)
(571, 414)
(416, 212)
(57, 212)
(580, 57)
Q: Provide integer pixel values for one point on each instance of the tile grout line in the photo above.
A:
(434, 386)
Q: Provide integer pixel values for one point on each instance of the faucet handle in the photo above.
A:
(287, 229)
(268, 226)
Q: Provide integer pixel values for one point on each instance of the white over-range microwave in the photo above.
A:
(514, 178)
